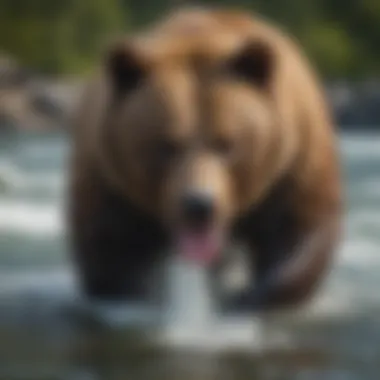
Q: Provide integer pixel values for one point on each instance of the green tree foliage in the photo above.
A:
(56, 36)
(341, 36)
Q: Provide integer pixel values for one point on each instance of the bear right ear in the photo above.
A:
(254, 62)
(124, 68)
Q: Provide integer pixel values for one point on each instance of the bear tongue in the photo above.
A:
(200, 247)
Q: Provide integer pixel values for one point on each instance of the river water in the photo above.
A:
(41, 337)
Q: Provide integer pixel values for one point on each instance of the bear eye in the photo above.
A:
(223, 147)
(166, 150)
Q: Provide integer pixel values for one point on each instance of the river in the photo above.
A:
(337, 337)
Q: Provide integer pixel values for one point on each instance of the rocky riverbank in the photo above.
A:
(29, 101)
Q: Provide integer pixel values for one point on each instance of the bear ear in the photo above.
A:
(253, 63)
(124, 68)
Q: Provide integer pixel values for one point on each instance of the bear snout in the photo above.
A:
(198, 208)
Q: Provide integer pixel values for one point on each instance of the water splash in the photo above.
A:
(192, 318)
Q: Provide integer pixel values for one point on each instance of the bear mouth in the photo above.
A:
(201, 246)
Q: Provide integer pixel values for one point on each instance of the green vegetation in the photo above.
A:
(341, 36)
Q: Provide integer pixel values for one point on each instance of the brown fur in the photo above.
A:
(264, 144)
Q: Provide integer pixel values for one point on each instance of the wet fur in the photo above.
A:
(117, 242)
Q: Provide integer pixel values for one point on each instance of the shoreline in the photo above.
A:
(29, 101)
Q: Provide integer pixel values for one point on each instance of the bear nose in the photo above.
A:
(197, 207)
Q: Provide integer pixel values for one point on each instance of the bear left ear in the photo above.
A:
(124, 68)
(254, 63)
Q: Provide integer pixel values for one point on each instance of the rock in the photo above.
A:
(32, 102)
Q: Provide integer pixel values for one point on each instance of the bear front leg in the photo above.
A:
(106, 268)
(115, 247)
(289, 263)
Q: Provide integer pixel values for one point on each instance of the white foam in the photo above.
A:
(351, 280)
(192, 320)
(239, 333)
(16, 179)
(190, 300)
(31, 219)
(360, 254)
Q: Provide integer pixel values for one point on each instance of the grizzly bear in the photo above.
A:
(206, 129)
